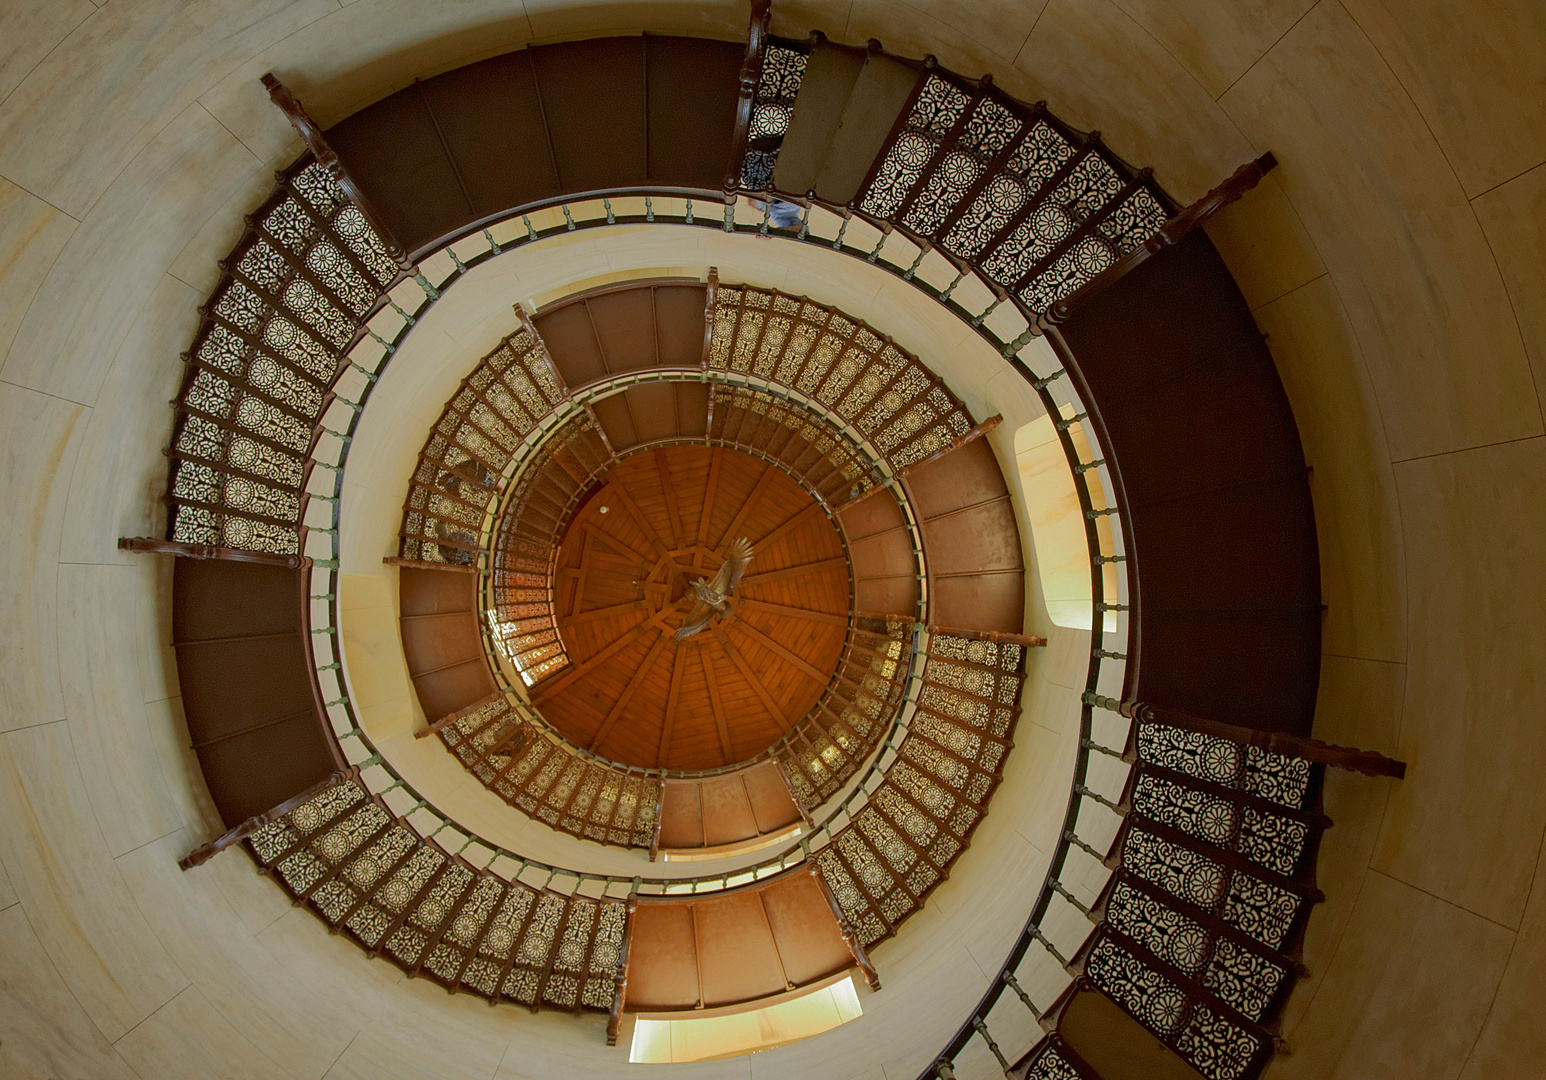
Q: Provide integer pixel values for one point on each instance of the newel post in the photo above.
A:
(316, 142)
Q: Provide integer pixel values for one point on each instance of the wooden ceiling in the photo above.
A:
(660, 519)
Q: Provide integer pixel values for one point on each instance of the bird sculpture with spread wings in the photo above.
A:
(712, 596)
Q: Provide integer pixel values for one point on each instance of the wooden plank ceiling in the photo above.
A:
(662, 518)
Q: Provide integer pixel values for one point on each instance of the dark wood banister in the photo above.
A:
(148, 545)
(750, 77)
(1367, 762)
(1030, 641)
(1170, 234)
(204, 852)
(316, 142)
(845, 928)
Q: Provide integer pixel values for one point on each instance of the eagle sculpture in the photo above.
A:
(712, 596)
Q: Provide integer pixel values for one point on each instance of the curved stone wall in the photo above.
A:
(1396, 261)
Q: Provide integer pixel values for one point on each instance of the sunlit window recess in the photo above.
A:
(738, 1030)
(728, 851)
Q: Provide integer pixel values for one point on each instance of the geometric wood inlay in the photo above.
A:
(659, 519)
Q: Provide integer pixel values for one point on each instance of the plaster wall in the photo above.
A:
(1397, 261)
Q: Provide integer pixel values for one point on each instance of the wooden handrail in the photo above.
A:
(316, 142)
(1031, 641)
(861, 958)
(459, 714)
(204, 852)
(421, 564)
(148, 545)
(750, 77)
(1367, 762)
(1170, 234)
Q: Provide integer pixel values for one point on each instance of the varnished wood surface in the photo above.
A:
(661, 518)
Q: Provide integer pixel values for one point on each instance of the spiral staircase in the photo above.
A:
(1191, 860)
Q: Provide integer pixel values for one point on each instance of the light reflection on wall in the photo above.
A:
(704, 1038)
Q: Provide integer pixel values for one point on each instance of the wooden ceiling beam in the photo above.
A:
(628, 692)
(579, 587)
(751, 677)
(544, 690)
(768, 474)
(778, 650)
(668, 488)
(626, 550)
(717, 704)
(712, 487)
(678, 662)
(793, 612)
(793, 523)
(621, 494)
(816, 567)
(602, 613)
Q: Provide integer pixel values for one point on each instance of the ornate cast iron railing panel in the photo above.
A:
(783, 68)
(271, 342)
(521, 618)
(904, 409)
(858, 707)
(460, 468)
(351, 860)
(920, 818)
(522, 763)
(754, 419)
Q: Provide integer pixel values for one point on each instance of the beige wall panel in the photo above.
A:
(288, 1021)
(44, 1033)
(1477, 72)
(188, 1035)
(1514, 218)
(1099, 69)
(120, 472)
(1393, 226)
(1513, 1040)
(153, 613)
(1021, 866)
(1359, 704)
(95, 936)
(125, 73)
(7, 894)
(114, 261)
(1062, 570)
(42, 435)
(1062, 662)
(1357, 519)
(553, 20)
(1216, 40)
(109, 732)
(1264, 244)
(1466, 823)
(32, 234)
(357, 54)
(930, 963)
(373, 650)
(181, 770)
(1408, 963)
(412, 1049)
(30, 29)
(969, 38)
(332, 967)
(197, 264)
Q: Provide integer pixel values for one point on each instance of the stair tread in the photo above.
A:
(880, 92)
(830, 75)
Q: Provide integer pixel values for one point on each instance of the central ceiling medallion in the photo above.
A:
(684, 652)
(713, 597)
